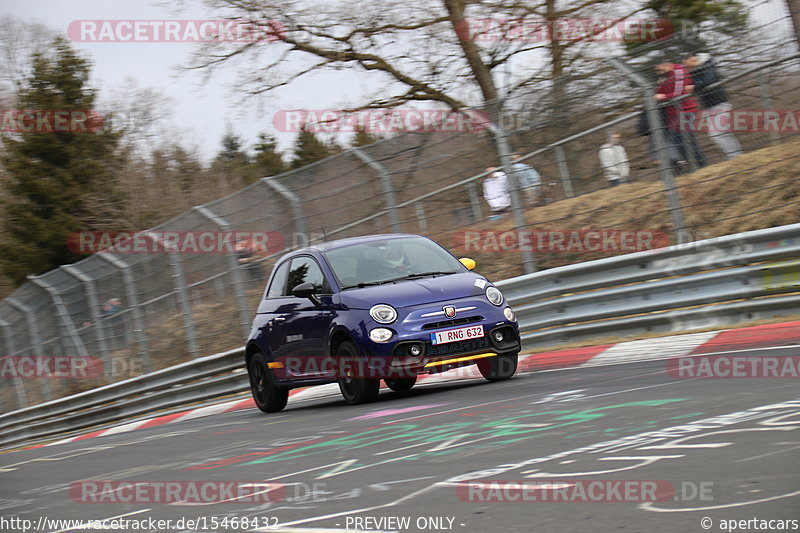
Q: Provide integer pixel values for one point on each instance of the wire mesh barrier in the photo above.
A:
(140, 311)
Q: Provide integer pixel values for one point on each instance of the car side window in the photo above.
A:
(305, 270)
(277, 287)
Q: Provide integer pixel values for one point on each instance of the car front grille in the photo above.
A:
(454, 322)
(465, 346)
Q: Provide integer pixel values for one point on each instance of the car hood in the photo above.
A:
(415, 291)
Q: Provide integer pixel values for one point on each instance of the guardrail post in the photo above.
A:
(180, 289)
(297, 205)
(233, 267)
(664, 163)
(63, 315)
(388, 190)
(8, 346)
(33, 331)
(503, 153)
(475, 201)
(94, 310)
(133, 304)
(563, 169)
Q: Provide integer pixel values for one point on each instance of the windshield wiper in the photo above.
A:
(393, 280)
(423, 274)
(371, 283)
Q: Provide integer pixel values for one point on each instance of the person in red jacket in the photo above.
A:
(674, 82)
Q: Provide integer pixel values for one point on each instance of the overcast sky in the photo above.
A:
(202, 109)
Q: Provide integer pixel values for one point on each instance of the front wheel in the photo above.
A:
(269, 396)
(355, 390)
(400, 384)
(498, 368)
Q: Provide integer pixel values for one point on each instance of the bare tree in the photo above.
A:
(18, 42)
(450, 52)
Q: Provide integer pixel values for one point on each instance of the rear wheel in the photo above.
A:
(400, 384)
(498, 368)
(355, 390)
(269, 396)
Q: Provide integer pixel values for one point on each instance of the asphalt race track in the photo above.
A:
(458, 456)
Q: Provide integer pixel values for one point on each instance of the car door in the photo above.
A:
(274, 310)
(306, 327)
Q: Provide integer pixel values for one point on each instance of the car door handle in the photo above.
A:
(279, 319)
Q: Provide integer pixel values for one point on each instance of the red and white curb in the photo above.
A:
(625, 352)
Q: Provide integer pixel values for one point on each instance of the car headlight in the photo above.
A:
(509, 314)
(380, 334)
(383, 314)
(494, 295)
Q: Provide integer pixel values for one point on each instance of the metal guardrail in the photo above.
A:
(708, 283)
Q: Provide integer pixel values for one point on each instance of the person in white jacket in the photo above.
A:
(614, 159)
(495, 191)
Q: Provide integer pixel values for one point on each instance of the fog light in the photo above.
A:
(509, 314)
(380, 334)
(415, 350)
(498, 336)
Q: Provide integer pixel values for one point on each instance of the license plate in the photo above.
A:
(454, 335)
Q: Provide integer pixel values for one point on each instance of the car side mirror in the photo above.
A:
(306, 290)
(467, 262)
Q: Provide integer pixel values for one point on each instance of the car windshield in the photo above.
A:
(390, 261)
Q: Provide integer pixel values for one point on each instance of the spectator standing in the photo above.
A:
(715, 100)
(614, 159)
(246, 259)
(495, 191)
(674, 83)
(528, 180)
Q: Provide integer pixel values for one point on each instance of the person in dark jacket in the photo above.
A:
(715, 101)
(674, 83)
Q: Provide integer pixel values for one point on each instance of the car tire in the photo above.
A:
(269, 396)
(498, 368)
(356, 390)
(400, 384)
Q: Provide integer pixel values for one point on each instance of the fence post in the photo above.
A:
(63, 315)
(503, 153)
(664, 163)
(180, 289)
(423, 222)
(388, 190)
(8, 346)
(563, 169)
(763, 89)
(475, 201)
(94, 309)
(33, 330)
(133, 304)
(233, 267)
(297, 205)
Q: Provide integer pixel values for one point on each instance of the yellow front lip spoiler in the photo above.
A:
(461, 359)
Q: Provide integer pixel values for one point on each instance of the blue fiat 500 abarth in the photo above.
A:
(390, 307)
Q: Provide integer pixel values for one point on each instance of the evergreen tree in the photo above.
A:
(362, 138)
(308, 148)
(680, 20)
(233, 162)
(56, 182)
(268, 161)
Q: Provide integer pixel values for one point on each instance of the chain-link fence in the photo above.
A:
(136, 312)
